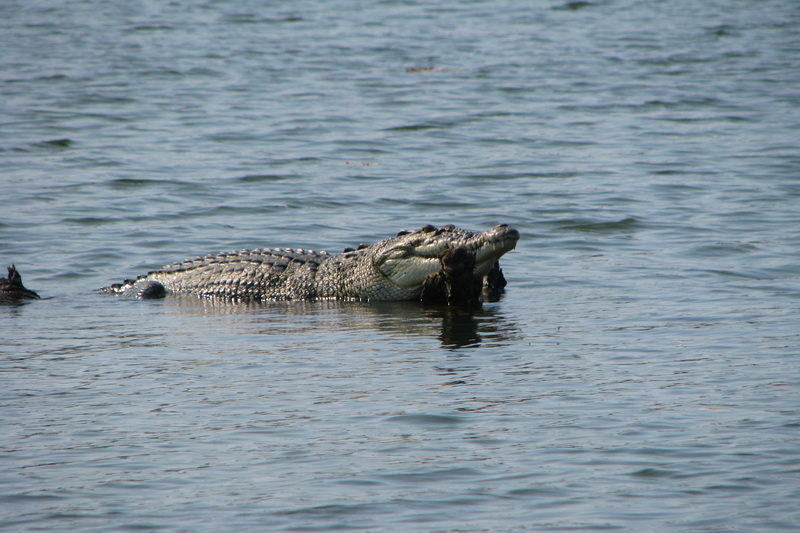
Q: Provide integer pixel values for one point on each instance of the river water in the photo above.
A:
(639, 374)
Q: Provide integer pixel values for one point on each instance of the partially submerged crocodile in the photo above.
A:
(12, 290)
(435, 265)
(444, 264)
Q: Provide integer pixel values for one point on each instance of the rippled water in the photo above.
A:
(640, 373)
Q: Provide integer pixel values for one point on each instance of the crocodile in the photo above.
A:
(12, 290)
(447, 264)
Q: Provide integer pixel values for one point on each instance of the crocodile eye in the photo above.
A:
(398, 253)
(403, 232)
(428, 228)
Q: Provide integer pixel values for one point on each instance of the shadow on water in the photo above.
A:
(454, 326)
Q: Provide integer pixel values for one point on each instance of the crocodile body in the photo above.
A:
(398, 268)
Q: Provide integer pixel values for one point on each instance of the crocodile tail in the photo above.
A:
(143, 289)
(12, 289)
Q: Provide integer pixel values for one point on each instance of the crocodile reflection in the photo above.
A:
(454, 326)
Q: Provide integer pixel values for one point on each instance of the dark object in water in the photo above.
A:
(12, 290)
(455, 283)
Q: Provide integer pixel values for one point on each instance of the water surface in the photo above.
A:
(640, 373)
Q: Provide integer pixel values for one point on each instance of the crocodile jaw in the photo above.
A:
(406, 260)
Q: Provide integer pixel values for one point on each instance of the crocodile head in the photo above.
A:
(408, 258)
